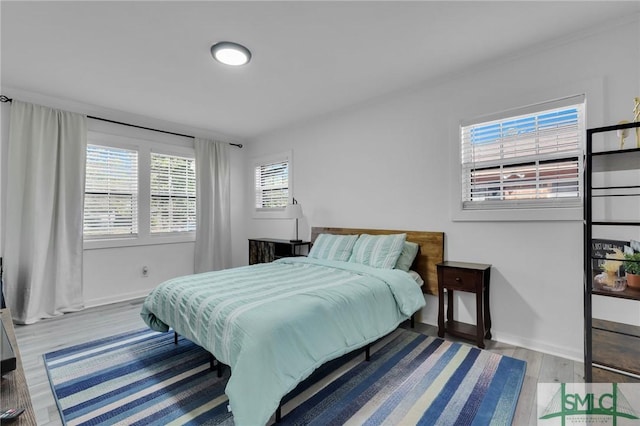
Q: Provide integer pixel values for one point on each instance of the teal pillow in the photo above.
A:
(333, 247)
(379, 251)
(408, 254)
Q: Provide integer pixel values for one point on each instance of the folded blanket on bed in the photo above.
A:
(275, 323)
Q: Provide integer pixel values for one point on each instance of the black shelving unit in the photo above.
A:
(612, 349)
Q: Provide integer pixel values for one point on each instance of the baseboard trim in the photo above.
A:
(126, 297)
(533, 345)
(536, 345)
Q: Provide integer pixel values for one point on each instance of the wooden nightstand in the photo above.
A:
(265, 250)
(472, 278)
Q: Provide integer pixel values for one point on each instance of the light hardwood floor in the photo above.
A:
(95, 323)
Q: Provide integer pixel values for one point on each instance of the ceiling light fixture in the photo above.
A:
(230, 53)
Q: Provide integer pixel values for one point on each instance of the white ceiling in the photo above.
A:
(309, 58)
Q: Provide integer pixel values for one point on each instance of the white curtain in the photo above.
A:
(45, 196)
(213, 209)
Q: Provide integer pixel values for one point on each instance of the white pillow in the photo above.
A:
(416, 276)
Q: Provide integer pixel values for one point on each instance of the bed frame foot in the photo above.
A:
(215, 364)
(278, 413)
(175, 337)
(413, 321)
(367, 352)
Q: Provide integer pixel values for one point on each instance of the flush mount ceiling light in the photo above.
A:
(230, 53)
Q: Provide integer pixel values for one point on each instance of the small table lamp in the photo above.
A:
(294, 211)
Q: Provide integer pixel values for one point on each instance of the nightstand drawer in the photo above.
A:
(461, 279)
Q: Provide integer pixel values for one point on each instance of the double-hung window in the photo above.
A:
(111, 192)
(173, 193)
(525, 158)
(272, 183)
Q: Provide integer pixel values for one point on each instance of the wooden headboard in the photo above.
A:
(430, 254)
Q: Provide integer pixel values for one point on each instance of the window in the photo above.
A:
(111, 192)
(173, 193)
(527, 158)
(138, 191)
(272, 183)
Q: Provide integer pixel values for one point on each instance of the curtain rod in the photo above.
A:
(4, 99)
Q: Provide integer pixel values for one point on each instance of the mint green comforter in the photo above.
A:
(275, 323)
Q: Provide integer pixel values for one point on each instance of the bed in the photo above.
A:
(273, 324)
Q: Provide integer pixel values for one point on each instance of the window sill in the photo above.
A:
(518, 215)
(269, 214)
(187, 237)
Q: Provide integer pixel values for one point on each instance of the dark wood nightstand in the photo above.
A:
(265, 250)
(472, 278)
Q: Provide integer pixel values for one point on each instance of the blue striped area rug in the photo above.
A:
(142, 378)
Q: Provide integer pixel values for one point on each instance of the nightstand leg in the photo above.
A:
(479, 320)
(441, 313)
(449, 305)
(487, 312)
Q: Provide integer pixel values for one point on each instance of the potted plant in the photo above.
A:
(632, 268)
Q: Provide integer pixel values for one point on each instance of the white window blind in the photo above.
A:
(173, 193)
(111, 192)
(526, 158)
(272, 185)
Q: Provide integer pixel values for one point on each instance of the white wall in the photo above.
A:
(387, 164)
(115, 273)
